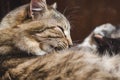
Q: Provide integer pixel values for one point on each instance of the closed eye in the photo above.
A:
(61, 28)
(40, 30)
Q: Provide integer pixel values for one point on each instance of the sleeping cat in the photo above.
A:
(104, 38)
(78, 63)
(109, 42)
(35, 28)
(105, 30)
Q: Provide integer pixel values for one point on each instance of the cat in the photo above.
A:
(104, 38)
(105, 30)
(81, 62)
(35, 28)
(109, 42)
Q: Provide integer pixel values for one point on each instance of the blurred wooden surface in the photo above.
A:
(84, 15)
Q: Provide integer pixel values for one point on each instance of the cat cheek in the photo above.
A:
(46, 47)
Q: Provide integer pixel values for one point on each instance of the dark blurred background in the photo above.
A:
(84, 15)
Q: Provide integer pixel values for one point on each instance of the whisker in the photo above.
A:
(62, 46)
(64, 11)
(76, 41)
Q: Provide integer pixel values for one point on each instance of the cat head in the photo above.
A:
(39, 10)
(56, 33)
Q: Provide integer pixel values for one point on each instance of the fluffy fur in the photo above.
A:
(68, 64)
(78, 63)
(35, 28)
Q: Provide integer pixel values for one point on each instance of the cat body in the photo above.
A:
(34, 28)
(78, 63)
(43, 32)
(65, 65)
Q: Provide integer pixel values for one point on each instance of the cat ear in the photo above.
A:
(54, 5)
(37, 6)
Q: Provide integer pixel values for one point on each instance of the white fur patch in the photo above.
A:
(37, 9)
(66, 32)
(105, 29)
(39, 53)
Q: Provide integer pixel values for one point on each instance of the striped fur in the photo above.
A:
(48, 33)
(36, 31)
(65, 65)
(78, 63)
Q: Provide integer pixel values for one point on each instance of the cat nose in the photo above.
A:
(70, 43)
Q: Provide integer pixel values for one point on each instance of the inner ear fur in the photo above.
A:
(37, 6)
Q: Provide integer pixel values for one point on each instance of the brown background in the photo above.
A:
(84, 15)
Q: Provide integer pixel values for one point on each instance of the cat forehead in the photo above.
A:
(60, 18)
(54, 14)
(54, 11)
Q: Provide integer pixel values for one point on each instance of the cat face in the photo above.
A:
(51, 38)
(57, 37)
(39, 10)
(53, 34)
